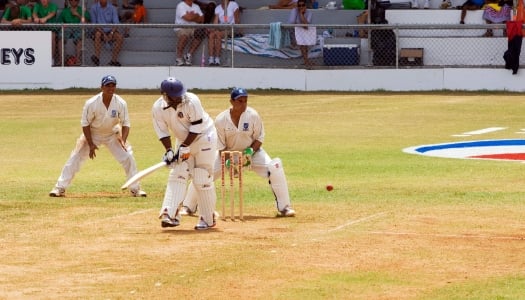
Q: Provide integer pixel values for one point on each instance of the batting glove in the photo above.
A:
(170, 156)
(184, 153)
(247, 156)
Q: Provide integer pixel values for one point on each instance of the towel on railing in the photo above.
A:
(277, 37)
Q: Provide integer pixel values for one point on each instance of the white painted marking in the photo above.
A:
(457, 236)
(357, 221)
(460, 135)
(485, 130)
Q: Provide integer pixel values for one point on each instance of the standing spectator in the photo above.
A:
(240, 128)
(17, 14)
(102, 13)
(105, 121)
(187, 12)
(72, 14)
(227, 12)
(470, 5)
(45, 12)
(497, 12)
(136, 17)
(304, 36)
(180, 113)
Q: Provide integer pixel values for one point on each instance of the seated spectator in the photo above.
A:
(227, 12)
(127, 5)
(283, 4)
(415, 4)
(136, 17)
(45, 12)
(187, 12)
(497, 12)
(72, 14)
(102, 13)
(304, 36)
(17, 14)
(470, 5)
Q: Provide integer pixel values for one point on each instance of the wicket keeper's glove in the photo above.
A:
(184, 152)
(247, 156)
(170, 156)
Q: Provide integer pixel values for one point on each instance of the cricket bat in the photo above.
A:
(143, 174)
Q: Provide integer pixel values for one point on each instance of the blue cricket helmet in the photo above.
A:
(172, 87)
(238, 92)
(108, 79)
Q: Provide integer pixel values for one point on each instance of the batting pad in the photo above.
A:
(278, 183)
(176, 189)
(207, 197)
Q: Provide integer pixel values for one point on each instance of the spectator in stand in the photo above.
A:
(304, 36)
(136, 17)
(102, 13)
(208, 9)
(72, 14)
(497, 12)
(45, 12)
(415, 4)
(17, 14)
(187, 12)
(127, 5)
(227, 12)
(470, 5)
(283, 4)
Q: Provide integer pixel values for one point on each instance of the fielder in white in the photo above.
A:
(240, 128)
(105, 121)
(181, 113)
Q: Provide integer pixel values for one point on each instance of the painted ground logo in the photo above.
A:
(513, 149)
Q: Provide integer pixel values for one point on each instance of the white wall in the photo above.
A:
(40, 74)
(294, 79)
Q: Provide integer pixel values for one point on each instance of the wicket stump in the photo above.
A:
(236, 163)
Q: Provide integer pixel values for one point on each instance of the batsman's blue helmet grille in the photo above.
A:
(238, 92)
(172, 87)
(108, 79)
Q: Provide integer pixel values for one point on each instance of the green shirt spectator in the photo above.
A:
(71, 15)
(17, 15)
(45, 12)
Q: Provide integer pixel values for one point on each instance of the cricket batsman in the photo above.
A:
(181, 113)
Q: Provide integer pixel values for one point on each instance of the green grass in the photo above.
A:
(396, 226)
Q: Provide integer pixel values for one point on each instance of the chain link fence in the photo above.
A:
(283, 45)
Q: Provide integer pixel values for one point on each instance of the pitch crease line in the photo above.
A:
(456, 236)
(357, 221)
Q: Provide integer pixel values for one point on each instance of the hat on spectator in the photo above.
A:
(109, 79)
(238, 92)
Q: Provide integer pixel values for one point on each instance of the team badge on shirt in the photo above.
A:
(180, 115)
(113, 113)
(245, 126)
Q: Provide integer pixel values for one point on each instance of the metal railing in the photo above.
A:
(336, 46)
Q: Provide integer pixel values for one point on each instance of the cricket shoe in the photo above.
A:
(166, 221)
(187, 59)
(287, 212)
(138, 193)
(186, 211)
(179, 62)
(57, 192)
(202, 225)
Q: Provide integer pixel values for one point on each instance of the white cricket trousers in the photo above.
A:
(81, 153)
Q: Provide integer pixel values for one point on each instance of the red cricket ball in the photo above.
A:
(329, 187)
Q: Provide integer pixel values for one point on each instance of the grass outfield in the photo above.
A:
(396, 226)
